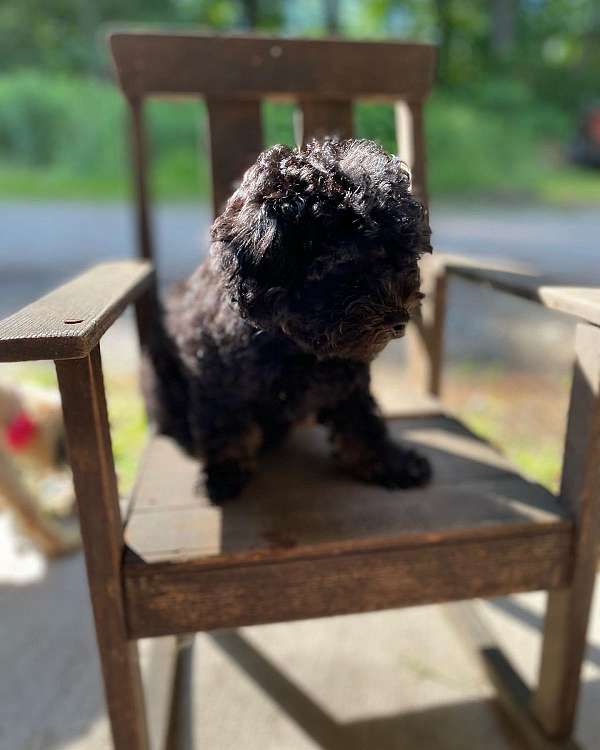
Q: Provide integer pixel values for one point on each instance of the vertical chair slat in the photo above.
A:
(322, 117)
(139, 156)
(404, 133)
(426, 331)
(568, 610)
(235, 132)
(419, 166)
(91, 458)
(145, 306)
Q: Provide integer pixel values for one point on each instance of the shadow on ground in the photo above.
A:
(450, 727)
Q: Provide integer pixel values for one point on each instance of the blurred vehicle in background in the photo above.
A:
(585, 149)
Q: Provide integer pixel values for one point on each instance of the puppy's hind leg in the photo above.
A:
(230, 464)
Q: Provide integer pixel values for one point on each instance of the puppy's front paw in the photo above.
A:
(225, 480)
(403, 468)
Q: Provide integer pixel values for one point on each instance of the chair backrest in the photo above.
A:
(234, 74)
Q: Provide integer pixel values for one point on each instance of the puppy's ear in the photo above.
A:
(254, 233)
(253, 223)
(252, 239)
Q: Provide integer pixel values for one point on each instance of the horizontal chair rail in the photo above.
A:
(165, 598)
(582, 302)
(255, 67)
(68, 322)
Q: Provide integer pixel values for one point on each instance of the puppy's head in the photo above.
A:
(322, 242)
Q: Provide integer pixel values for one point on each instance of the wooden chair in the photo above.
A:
(305, 542)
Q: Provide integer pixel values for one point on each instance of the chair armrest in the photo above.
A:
(69, 321)
(582, 302)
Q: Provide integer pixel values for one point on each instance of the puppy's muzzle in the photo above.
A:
(396, 323)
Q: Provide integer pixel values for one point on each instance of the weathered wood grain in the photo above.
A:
(90, 455)
(303, 536)
(419, 164)
(300, 505)
(159, 676)
(140, 169)
(320, 118)
(183, 597)
(426, 332)
(567, 615)
(515, 699)
(579, 301)
(234, 74)
(235, 135)
(513, 694)
(251, 67)
(69, 321)
(182, 728)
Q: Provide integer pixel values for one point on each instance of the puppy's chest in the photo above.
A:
(303, 385)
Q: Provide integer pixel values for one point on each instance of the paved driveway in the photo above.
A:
(43, 244)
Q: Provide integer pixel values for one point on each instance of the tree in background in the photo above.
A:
(332, 16)
(552, 46)
(530, 63)
(503, 26)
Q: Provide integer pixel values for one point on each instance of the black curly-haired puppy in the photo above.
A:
(312, 271)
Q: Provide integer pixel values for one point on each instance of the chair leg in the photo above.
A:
(568, 610)
(514, 696)
(565, 636)
(550, 713)
(91, 458)
(123, 691)
(515, 699)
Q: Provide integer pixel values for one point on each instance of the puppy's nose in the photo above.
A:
(396, 322)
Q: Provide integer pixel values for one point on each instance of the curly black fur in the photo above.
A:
(312, 271)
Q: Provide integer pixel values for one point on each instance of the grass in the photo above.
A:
(37, 183)
(522, 413)
(64, 137)
(569, 186)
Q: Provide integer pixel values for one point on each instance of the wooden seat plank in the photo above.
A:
(306, 541)
(299, 503)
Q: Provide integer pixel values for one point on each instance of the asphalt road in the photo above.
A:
(43, 244)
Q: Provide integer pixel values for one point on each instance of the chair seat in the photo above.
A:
(300, 509)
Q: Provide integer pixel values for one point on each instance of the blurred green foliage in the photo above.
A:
(513, 75)
(64, 136)
(551, 45)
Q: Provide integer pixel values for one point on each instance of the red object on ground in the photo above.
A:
(20, 431)
(594, 126)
